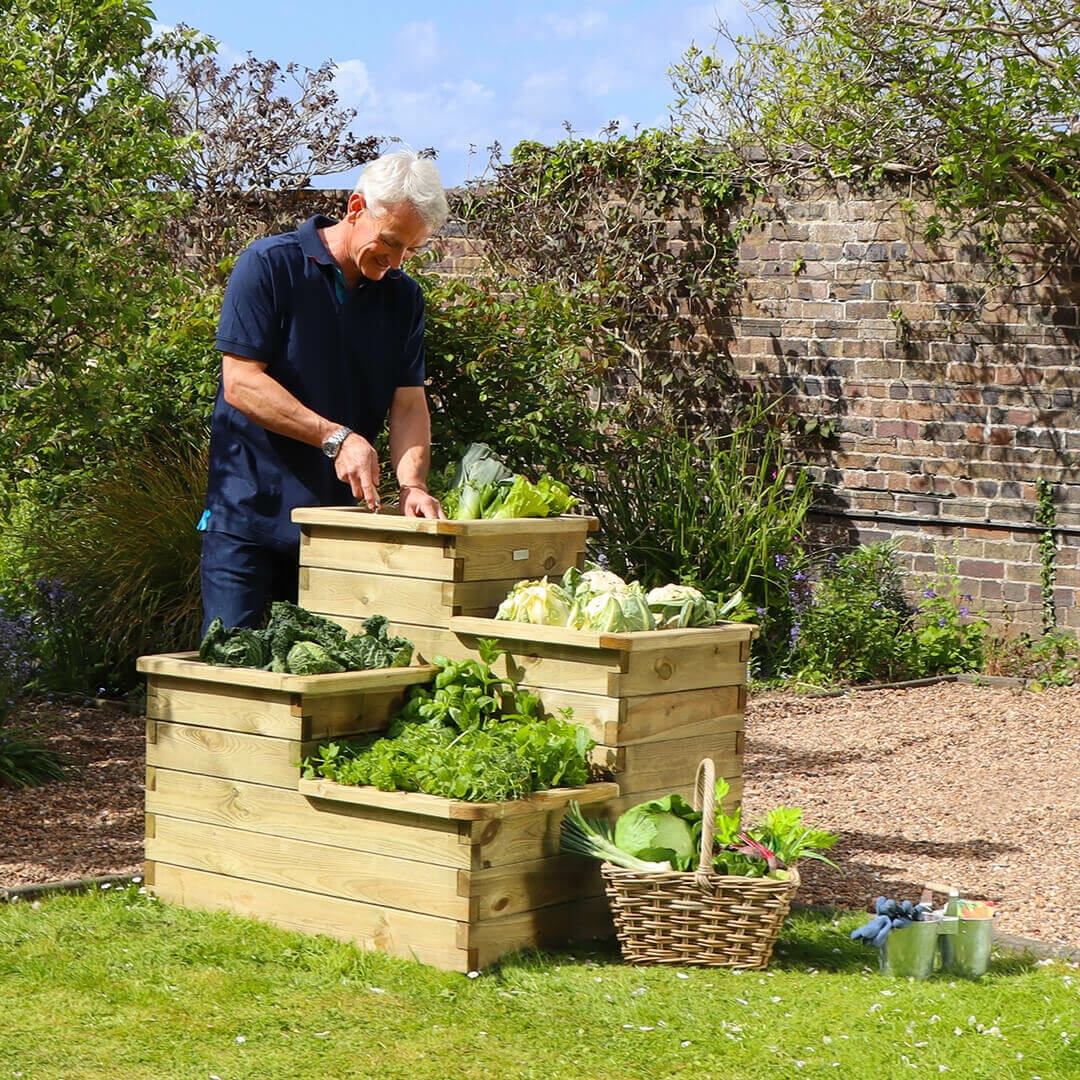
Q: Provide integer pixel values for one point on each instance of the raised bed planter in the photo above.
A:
(231, 825)
(656, 701)
(421, 572)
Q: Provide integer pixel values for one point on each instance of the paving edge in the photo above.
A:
(32, 892)
(1009, 942)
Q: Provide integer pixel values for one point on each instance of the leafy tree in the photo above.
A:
(978, 98)
(81, 140)
(259, 130)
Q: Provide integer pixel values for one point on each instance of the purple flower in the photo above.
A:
(929, 594)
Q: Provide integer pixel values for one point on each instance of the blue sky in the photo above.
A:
(461, 75)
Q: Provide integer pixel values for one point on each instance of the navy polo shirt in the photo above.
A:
(343, 357)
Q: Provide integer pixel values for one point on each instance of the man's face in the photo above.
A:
(383, 243)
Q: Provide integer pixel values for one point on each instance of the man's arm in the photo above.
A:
(410, 451)
(261, 398)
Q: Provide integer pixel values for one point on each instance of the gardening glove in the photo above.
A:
(876, 928)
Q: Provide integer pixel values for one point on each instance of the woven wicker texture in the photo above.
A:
(698, 917)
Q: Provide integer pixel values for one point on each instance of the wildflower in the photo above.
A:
(929, 594)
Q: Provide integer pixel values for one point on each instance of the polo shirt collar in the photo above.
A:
(311, 243)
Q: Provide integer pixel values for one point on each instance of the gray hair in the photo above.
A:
(404, 176)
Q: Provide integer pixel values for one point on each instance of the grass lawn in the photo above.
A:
(116, 984)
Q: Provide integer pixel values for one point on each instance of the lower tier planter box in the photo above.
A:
(231, 825)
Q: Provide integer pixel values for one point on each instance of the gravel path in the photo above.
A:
(954, 784)
(945, 785)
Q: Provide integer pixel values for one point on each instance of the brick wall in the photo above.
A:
(949, 398)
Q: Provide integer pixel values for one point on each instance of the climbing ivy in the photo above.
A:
(1046, 516)
(639, 227)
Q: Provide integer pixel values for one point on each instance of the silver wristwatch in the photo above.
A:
(333, 443)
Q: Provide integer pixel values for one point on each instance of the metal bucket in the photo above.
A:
(967, 952)
(909, 953)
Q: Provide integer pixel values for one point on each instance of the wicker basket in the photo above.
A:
(698, 917)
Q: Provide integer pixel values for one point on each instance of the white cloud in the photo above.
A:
(418, 46)
(583, 24)
(353, 84)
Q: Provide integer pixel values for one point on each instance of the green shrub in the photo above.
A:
(27, 760)
(123, 543)
(858, 626)
(722, 513)
(855, 626)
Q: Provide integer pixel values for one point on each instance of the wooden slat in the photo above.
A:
(684, 714)
(286, 813)
(642, 640)
(405, 884)
(406, 934)
(219, 705)
(522, 887)
(227, 754)
(356, 595)
(186, 665)
(505, 841)
(434, 806)
(660, 766)
(693, 667)
(581, 922)
(533, 555)
(390, 552)
(362, 520)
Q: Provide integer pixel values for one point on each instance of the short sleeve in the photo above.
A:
(250, 323)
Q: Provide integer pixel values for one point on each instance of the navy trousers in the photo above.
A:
(240, 578)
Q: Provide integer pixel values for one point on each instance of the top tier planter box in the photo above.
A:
(422, 572)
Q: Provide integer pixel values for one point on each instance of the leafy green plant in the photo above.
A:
(855, 624)
(27, 760)
(1050, 660)
(1046, 516)
(471, 735)
(949, 638)
(724, 513)
(665, 834)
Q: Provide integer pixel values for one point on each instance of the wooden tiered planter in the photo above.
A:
(231, 825)
(656, 702)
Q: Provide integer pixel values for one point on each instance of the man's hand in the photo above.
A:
(357, 465)
(416, 501)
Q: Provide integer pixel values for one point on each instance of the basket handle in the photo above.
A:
(705, 801)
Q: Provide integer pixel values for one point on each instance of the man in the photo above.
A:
(322, 340)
